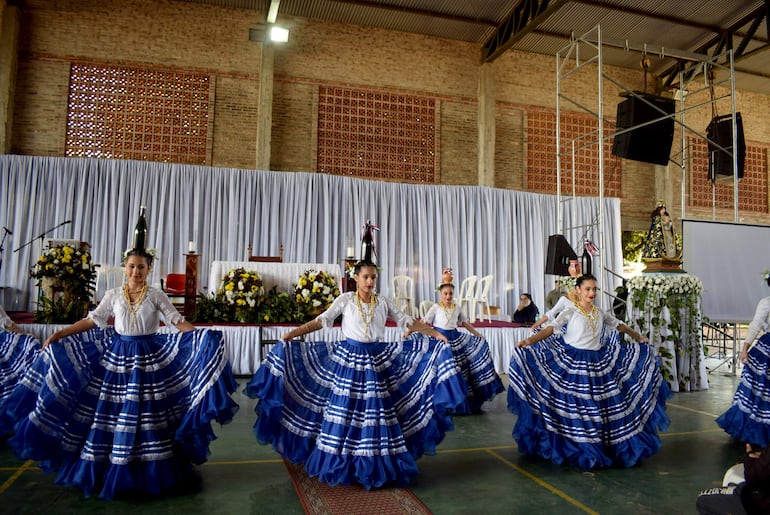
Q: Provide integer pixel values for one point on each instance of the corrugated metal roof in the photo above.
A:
(686, 25)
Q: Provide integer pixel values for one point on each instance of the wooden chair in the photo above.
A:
(267, 259)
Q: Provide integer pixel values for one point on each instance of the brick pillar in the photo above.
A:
(486, 127)
(265, 117)
(9, 42)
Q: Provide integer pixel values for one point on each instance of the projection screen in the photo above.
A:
(729, 258)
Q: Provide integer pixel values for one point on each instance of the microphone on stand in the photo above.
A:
(8, 230)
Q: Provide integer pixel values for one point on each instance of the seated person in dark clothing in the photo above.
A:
(526, 312)
(750, 497)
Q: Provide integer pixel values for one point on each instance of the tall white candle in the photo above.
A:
(191, 247)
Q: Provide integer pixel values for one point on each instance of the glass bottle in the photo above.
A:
(140, 231)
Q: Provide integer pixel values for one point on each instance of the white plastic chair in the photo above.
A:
(481, 299)
(107, 278)
(465, 294)
(403, 291)
(424, 307)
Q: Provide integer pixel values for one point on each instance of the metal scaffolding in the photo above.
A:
(699, 74)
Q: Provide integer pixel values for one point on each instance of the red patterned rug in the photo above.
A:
(321, 499)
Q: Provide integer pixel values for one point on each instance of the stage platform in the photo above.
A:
(244, 342)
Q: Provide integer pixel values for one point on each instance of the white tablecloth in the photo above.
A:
(282, 275)
(242, 342)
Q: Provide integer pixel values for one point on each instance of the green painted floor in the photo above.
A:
(477, 470)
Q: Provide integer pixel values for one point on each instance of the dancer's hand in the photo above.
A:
(526, 342)
(51, 339)
(752, 453)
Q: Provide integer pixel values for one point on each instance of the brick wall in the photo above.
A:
(215, 40)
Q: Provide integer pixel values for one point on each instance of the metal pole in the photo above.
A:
(601, 165)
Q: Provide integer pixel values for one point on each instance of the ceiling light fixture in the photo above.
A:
(279, 34)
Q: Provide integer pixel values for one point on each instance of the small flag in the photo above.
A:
(591, 248)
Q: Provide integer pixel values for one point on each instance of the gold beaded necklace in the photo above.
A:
(592, 317)
(448, 312)
(368, 316)
(133, 306)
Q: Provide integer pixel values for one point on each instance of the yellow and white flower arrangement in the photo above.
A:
(68, 269)
(242, 289)
(314, 293)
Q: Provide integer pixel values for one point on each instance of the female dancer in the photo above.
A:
(563, 302)
(748, 419)
(123, 409)
(360, 410)
(17, 352)
(471, 351)
(583, 398)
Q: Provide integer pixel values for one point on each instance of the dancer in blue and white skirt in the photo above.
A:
(471, 351)
(360, 410)
(17, 352)
(582, 397)
(748, 419)
(124, 409)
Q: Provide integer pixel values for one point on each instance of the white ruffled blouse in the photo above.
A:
(353, 325)
(146, 319)
(437, 317)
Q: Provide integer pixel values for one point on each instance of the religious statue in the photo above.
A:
(661, 249)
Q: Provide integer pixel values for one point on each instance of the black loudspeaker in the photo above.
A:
(650, 143)
(720, 132)
(558, 256)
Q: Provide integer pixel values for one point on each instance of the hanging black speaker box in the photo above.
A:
(558, 255)
(720, 134)
(648, 143)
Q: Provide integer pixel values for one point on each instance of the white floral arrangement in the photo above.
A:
(680, 295)
(680, 284)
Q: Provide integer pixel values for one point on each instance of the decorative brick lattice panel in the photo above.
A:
(752, 189)
(133, 113)
(541, 155)
(377, 135)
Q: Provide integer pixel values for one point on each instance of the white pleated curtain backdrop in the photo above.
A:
(423, 228)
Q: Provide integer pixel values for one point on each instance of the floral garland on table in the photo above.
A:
(69, 269)
(681, 294)
(314, 293)
(242, 289)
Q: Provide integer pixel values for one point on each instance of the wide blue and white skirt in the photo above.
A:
(477, 368)
(588, 408)
(110, 413)
(17, 353)
(356, 412)
(748, 419)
